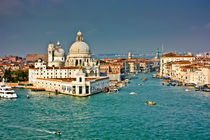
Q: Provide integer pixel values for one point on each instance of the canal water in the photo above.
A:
(177, 115)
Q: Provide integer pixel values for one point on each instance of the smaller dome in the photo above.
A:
(58, 52)
(40, 60)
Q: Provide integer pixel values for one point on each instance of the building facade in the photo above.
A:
(171, 57)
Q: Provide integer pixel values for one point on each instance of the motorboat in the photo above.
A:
(140, 84)
(6, 91)
(57, 132)
(132, 93)
(173, 84)
(150, 103)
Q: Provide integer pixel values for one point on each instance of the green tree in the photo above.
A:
(7, 75)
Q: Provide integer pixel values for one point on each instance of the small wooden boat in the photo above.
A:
(179, 84)
(154, 76)
(150, 103)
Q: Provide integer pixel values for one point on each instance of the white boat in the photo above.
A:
(6, 91)
(132, 93)
(187, 89)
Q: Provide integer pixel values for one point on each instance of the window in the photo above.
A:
(68, 88)
(80, 89)
(80, 79)
(63, 88)
(87, 89)
(74, 90)
(76, 63)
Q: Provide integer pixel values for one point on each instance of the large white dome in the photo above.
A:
(79, 47)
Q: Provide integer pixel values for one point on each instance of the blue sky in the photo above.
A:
(108, 26)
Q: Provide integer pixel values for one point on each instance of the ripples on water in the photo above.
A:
(177, 115)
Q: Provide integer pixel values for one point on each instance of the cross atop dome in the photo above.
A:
(79, 36)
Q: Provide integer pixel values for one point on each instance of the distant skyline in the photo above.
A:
(108, 26)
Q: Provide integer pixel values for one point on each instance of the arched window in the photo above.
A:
(76, 63)
(80, 79)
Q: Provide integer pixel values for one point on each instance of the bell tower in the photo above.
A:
(50, 52)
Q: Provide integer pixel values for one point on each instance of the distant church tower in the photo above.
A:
(50, 52)
(157, 56)
(129, 55)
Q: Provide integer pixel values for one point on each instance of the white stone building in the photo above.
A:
(171, 57)
(77, 75)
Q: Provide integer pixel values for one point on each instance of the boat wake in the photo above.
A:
(31, 129)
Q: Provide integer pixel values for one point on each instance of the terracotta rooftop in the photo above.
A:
(181, 62)
(175, 55)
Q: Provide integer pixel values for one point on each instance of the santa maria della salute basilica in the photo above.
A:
(75, 74)
(78, 55)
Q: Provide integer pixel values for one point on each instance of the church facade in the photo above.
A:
(75, 74)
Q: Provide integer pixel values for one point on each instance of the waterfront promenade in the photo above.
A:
(177, 115)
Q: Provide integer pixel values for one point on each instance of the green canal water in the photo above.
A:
(177, 115)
